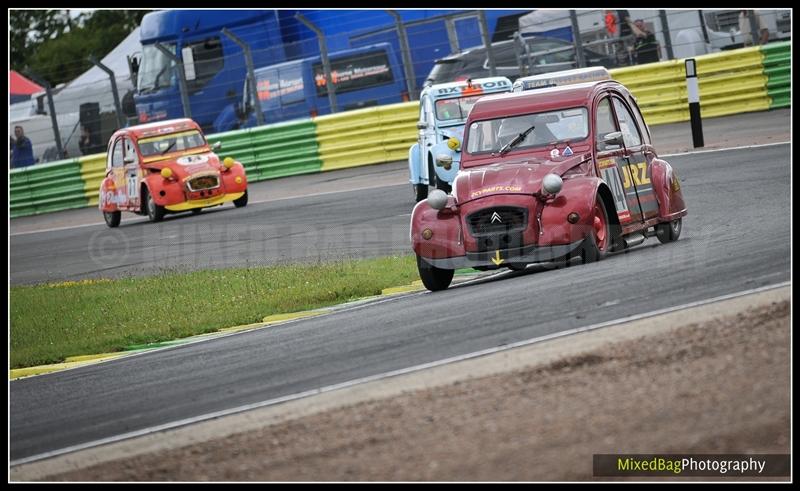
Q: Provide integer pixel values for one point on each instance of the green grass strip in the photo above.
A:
(50, 322)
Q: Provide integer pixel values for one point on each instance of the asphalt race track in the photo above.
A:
(735, 237)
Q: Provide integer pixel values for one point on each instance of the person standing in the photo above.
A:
(744, 28)
(645, 46)
(22, 151)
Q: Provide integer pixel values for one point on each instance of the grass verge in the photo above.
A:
(50, 322)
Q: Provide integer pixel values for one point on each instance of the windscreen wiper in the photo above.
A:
(168, 148)
(516, 141)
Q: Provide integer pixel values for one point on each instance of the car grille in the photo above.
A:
(506, 219)
(203, 182)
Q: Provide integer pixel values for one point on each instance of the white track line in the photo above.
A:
(374, 187)
(393, 373)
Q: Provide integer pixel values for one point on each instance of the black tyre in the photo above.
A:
(669, 232)
(420, 192)
(517, 266)
(155, 212)
(112, 218)
(598, 242)
(434, 278)
(242, 201)
(197, 211)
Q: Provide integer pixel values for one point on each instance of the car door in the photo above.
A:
(427, 136)
(116, 170)
(638, 173)
(611, 161)
(133, 174)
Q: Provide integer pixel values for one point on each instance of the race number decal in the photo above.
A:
(133, 191)
(610, 175)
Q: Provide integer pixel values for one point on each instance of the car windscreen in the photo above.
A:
(448, 110)
(489, 136)
(172, 142)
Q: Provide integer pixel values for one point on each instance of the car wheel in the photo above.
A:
(434, 278)
(420, 192)
(517, 266)
(155, 212)
(242, 201)
(669, 232)
(597, 244)
(112, 218)
(196, 211)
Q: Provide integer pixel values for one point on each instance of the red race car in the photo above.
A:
(548, 174)
(167, 167)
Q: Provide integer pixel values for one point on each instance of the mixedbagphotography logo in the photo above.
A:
(708, 465)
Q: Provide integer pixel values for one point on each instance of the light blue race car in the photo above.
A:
(434, 159)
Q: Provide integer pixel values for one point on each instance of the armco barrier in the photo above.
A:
(47, 187)
(367, 136)
(730, 82)
(777, 69)
(743, 80)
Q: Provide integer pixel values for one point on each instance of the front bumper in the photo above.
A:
(502, 257)
(204, 203)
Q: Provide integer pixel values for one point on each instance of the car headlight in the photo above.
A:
(166, 173)
(228, 163)
(454, 144)
(552, 184)
(437, 199)
(444, 160)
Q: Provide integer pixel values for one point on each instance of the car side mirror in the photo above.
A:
(422, 126)
(216, 146)
(128, 160)
(613, 138)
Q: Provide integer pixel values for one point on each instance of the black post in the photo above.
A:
(694, 102)
(251, 76)
(487, 42)
(52, 107)
(187, 107)
(121, 120)
(326, 63)
(665, 31)
(408, 65)
(576, 37)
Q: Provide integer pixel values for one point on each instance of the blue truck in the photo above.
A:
(362, 77)
(215, 65)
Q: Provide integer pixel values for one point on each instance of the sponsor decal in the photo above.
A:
(635, 173)
(554, 153)
(496, 189)
(474, 89)
(567, 151)
(192, 159)
(605, 163)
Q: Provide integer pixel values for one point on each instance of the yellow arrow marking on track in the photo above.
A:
(497, 260)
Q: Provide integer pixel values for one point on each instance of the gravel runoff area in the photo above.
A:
(708, 379)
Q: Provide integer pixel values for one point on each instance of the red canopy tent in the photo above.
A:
(20, 88)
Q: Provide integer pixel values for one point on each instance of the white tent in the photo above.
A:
(94, 84)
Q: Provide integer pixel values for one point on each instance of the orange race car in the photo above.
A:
(167, 167)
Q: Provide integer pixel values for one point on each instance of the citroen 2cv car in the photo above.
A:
(443, 108)
(167, 167)
(550, 174)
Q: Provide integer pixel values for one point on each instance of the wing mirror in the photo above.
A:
(422, 126)
(216, 146)
(128, 160)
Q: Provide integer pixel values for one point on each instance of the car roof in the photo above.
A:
(457, 89)
(159, 128)
(529, 101)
